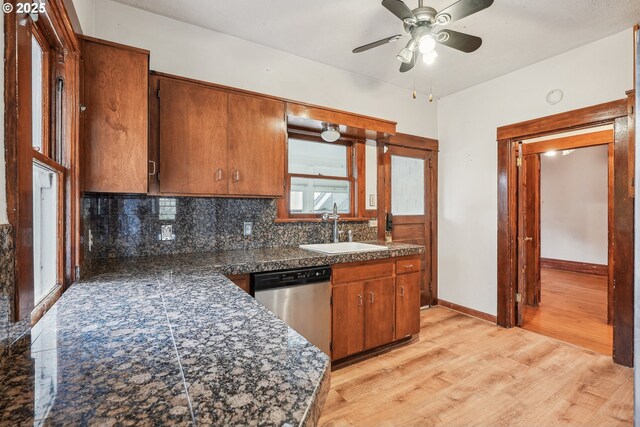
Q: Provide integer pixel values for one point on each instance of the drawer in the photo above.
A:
(357, 272)
(405, 266)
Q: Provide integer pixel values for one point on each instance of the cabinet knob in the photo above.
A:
(219, 174)
(402, 291)
(359, 300)
(371, 299)
(236, 176)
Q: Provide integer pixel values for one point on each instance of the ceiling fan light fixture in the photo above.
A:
(427, 44)
(429, 58)
(330, 133)
(405, 55)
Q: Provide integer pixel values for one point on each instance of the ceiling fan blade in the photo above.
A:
(398, 8)
(460, 41)
(406, 67)
(377, 43)
(461, 9)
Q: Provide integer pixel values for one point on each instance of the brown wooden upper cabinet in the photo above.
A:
(257, 145)
(213, 141)
(193, 138)
(114, 137)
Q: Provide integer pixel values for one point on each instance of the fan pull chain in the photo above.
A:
(430, 90)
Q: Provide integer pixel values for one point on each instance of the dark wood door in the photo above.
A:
(407, 305)
(348, 320)
(528, 234)
(379, 314)
(409, 186)
(257, 141)
(193, 138)
(115, 122)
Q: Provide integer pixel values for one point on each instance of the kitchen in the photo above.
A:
(197, 165)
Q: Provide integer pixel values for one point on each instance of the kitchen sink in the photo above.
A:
(342, 247)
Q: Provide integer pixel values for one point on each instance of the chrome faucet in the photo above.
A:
(333, 216)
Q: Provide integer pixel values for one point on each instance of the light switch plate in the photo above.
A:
(166, 232)
(247, 228)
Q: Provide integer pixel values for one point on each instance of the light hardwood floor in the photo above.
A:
(467, 372)
(573, 309)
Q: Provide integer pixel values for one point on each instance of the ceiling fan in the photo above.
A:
(423, 25)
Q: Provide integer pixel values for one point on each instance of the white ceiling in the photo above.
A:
(516, 33)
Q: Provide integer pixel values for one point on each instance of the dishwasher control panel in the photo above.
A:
(290, 277)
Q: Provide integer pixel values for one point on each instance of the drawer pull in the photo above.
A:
(371, 299)
(219, 174)
(359, 300)
(408, 266)
(402, 291)
(236, 176)
(154, 167)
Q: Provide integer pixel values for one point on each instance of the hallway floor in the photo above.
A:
(573, 309)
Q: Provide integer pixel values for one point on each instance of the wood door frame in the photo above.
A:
(384, 205)
(619, 113)
(595, 139)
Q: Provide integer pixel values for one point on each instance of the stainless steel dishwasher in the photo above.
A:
(302, 298)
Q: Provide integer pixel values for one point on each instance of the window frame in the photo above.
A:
(355, 176)
(54, 32)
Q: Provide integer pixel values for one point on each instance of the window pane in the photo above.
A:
(407, 186)
(45, 230)
(310, 195)
(317, 158)
(36, 95)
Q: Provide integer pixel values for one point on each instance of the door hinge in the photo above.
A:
(519, 161)
(518, 297)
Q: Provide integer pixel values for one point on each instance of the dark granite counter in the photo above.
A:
(171, 341)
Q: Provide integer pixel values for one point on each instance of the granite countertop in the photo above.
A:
(170, 340)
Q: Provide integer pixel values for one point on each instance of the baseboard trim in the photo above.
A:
(468, 311)
(574, 266)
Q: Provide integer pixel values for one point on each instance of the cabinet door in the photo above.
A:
(257, 139)
(348, 320)
(379, 318)
(193, 138)
(114, 124)
(407, 305)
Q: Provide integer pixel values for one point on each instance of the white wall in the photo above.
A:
(85, 9)
(574, 201)
(467, 123)
(3, 185)
(195, 52)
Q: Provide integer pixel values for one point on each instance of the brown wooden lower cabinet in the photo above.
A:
(348, 320)
(370, 311)
(407, 305)
(379, 312)
(242, 280)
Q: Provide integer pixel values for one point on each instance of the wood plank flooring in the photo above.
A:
(467, 372)
(573, 309)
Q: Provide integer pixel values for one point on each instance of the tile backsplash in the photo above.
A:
(125, 226)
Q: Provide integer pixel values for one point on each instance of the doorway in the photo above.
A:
(565, 219)
(407, 192)
(514, 251)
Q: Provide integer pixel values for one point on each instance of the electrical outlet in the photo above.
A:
(166, 232)
(373, 222)
(247, 228)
